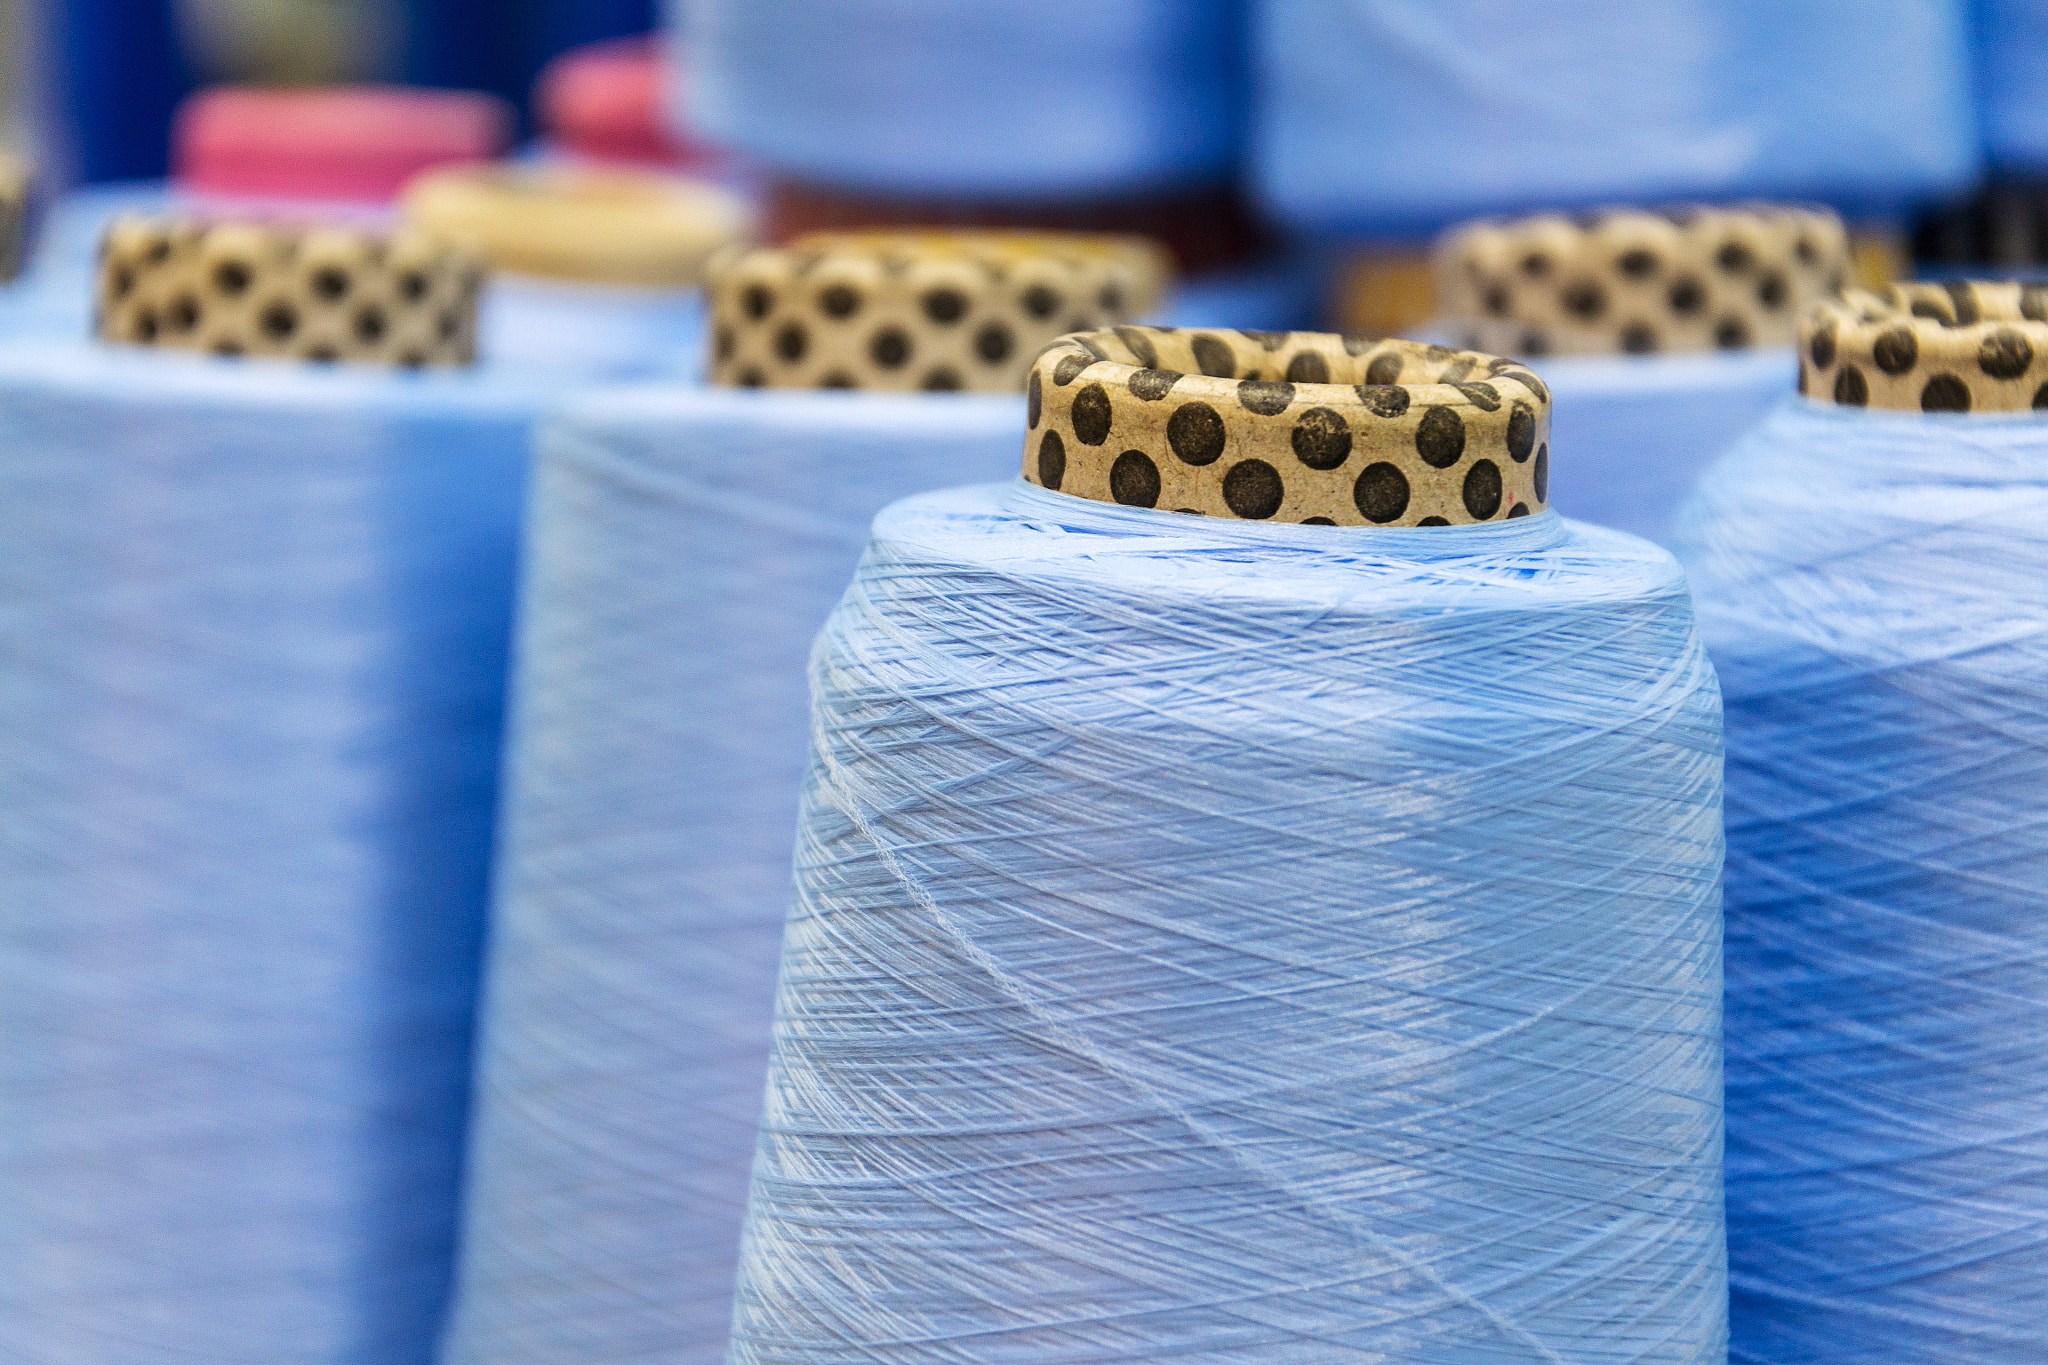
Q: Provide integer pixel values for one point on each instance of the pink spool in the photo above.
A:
(342, 142)
(607, 102)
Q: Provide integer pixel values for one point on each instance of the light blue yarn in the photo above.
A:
(2012, 82)
(1279, 295)
(1641, 429)
(1002, 98)
(1874, 588)
(253, 624)
(1383, 116)
(684, 548)
(1227, 942)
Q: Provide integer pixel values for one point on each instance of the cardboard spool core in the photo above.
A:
(1935, 348)
(324, 293)
(591, 225)
(1288, 426)
(909, 311)
(16, 183)
(1630, 281)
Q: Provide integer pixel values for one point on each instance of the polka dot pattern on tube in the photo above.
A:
(909, 311)
(1288, 426)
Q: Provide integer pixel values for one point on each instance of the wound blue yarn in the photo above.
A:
(1380, 116)
(1642, 429)
(683, 550)
(1216, 941)
(999, 98)
(253, 623)
(1874, 590)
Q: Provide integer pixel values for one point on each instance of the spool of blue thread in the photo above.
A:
(253, 622)
(926, 97)
(685, 546)
(1220, 939)
(1665, 336)
(1869, 568)
(1382, 117)
(2011, 44)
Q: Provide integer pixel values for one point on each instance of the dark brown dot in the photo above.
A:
(159, 251)
(1806, 251)
(1822, 346)
(838, 301)
(1964, 297)
(1387, 400)
(993, 343)
(1358, 345)
(1485, 397)
(1381, 492)
(145, 324)
(121, 282)
(1496, 300)
(278, 321)
(1686, 296)
(1266, 397)
(1384, 369)
(1268, 341)
(1528, 380)
(792, 341)
(1440, 439)
(1317, 521)
(1734, 257)
(228, 349)
(1069, 368)
(2041, 397)
(1052, 459)
(1482, 489)
(1637, 264)
(1215, 357)
(1895, 351)
(838, 379)
(2005, 354)
(323, 355)
(1585, 300)
(1195, 432)
(890, 348)
(1731, 334)
(1521, 432)
(1638, 338)
(941, 380)
(1542, 472)
(1533, 342)
(1932, 311)
(1134, 480)
(183, 314)
(447, 325)
(1152, 385)
(1453, 373)
(1535, 265)
(1520, 509)
(1851, 388)
(1771, 291)
(756, 300)
(1433, 521)
(944, 306)
(752, 378)
(1945, 393)
(1088, 344)
(1140, 346)
(411, 360)
(231, 277)
(2034, 302)
(1253, 490)
(1308, 368)
(1091, 415)
(1034, 401)
(369, 326)
(725, 343)
(1041, 302)
(1322, 438)
(412, 286)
